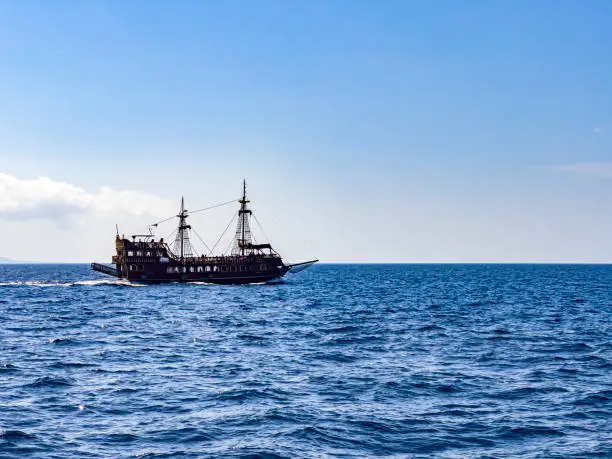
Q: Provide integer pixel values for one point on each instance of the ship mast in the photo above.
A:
(182, 243)
(243, 231)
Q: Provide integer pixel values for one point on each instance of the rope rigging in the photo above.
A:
(223, 233)
(231, 242)
(261, 228)
(213, 207)
(168, 238)
(201, 240)
(194, 211)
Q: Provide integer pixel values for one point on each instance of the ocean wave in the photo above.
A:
(15, 435)
(529, 431)
(431, 327)
(180, 435)
(120, 437)
(250, 394)
(600, 398)
(522, 392)
(8, 368)
(50, 381)
(342, 329)
(73, 365)
(61, 341)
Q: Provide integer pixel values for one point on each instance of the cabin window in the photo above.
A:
(169, 269)
(148, 254)
(184, 269)
(243, 268)
(130, 253)
(215, 268)
(208, 269)
(200, 269)
(140, 268)
(139, 253)
(233, 268)
(224, 268)
(159, 253)
(192, 269)
(262, 267)
(132, 267)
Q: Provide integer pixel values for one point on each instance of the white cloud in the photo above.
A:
(601, 170)
(597, 130)
(44, 198)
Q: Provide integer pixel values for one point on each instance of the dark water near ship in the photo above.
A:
(338, 361)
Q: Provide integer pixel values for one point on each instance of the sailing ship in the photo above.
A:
(144, 259)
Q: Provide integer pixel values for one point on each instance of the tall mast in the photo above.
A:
(182, 225)
(243, 207)
(243, 231)
(182, 243)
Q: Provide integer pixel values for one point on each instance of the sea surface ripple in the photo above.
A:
(448, 361)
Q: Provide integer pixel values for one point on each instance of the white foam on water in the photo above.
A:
(122, 282)
(35, 284)
(95, 282)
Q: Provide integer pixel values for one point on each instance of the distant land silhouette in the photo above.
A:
(10, 261)
(4, 260)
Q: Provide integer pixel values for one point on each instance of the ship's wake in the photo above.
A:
(87, 283)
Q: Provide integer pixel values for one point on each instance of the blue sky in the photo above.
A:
(368, 131)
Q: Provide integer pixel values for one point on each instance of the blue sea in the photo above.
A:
(449, 361)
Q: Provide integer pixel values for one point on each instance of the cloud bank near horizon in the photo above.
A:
(44, 198)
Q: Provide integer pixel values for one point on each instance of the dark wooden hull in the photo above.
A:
(210, 279)
(218, 281)
(222, 280)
